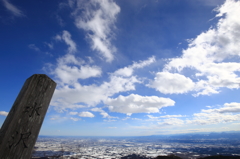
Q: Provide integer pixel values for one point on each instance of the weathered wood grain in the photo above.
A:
(20, 129)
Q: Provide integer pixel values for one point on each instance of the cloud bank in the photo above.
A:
(210, 57)
(169, 83)
(137, 104)
(72, 94)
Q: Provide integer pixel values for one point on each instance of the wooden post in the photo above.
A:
(20, 129)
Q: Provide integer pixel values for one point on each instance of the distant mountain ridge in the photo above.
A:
(202, 135)
(134, 156)
(212, 135)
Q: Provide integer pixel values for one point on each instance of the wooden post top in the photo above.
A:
(20, 129)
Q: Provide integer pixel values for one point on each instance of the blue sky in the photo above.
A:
(126, 68)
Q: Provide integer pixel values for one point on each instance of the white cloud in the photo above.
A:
(172, 116)
(50, 45)
(226, 113)
(60, 104)
(13, 9)
(218, 75)
(153, 117)
(70, 74)
(60, 20)
(212, 57)
(67, 38)
(172, 121)
(204, 88)
(213, 118)
(103, 113)
(86, 114)
(128, 71)
(136, 119)
(138, 104)
(75, 119)
(71, 93)
(34, 47)
(97, 18)
(169, 83)
(73, 113)
(91, 94)
(70, 59)
(109, 120)
(58, 118)
(227, 108)
(69, 68)
(126, 118)
(158, 118)
(3, 113)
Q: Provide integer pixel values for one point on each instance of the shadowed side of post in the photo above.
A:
(20, 129)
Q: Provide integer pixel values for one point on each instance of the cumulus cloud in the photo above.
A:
(213, 118)
(13, 9)
(3, 113)
(97, 18)
(137, 104)
(212, 57)
(128, 71)
(60, 104)
(172, 121)
(70, 68)
(92, 94)
(229, 112)
(86, 114)
(70, 74)
(71, 93)
(169, 83)
(103, 113)
(227, 108)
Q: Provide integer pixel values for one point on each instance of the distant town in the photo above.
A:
(186, 146)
